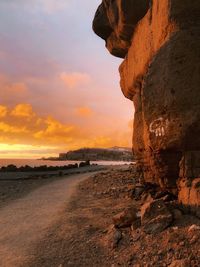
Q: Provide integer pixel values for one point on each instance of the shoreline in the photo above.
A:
(13, 176)
(17, 185)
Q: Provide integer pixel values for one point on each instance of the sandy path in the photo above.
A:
(26, 220)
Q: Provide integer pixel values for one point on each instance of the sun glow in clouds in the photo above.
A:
(25, 151)
(59, 87)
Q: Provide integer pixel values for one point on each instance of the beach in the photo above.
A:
(14, 185)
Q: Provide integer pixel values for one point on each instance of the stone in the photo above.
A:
(180, 263)
(125, 218)
(189, 194)
(194, 239)
(139, 189)
(135, 235)
(113, 237)
(194, 227)
(177, 214)
(136, 224)
(155, 217)
(146, 197)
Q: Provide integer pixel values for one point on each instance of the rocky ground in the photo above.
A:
(104, 225)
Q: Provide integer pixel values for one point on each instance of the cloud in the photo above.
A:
(84, 112)
(7, 128)
(21, 125)
(54, 131)
(3, 111)
(12, 92)
(75, 79)
(23, 110)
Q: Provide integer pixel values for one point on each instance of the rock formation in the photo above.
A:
(160, 44)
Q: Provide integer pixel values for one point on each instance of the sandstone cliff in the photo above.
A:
(160, 44)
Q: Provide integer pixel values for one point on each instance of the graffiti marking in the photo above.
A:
(158, 127)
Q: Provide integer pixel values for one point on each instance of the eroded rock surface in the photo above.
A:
(155, 216)
(115, 22)
(160, 42)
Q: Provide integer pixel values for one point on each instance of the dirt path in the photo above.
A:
(83, 235)
(26, 220)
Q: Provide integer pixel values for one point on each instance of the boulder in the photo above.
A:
(113, 237)
(126, 218)
(180, 263)
(177, 214)
(189, 194)
(194, 228)
(155, 217)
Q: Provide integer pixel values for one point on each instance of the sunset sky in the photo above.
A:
(59, 87)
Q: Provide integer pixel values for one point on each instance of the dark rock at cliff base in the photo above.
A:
(125, 218)
(155, 217)
(189, 194)
(113, 237)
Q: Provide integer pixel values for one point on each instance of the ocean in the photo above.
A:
(36, 162)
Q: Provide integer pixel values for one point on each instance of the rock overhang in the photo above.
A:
(115, 21)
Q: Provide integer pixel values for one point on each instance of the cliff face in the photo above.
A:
(160, 44)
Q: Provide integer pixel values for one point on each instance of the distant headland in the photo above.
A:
(96, 154)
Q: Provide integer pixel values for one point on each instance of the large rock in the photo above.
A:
(125, 218)
(155, 217)
(113, 237)
(189, 194)
(161, 75)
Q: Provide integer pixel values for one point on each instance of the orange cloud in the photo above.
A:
(54, 131)
(3, 111)
(7, 128)
(23, 110)
(12, 92)
(84, 112)
(20, 125)
(75, 79)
